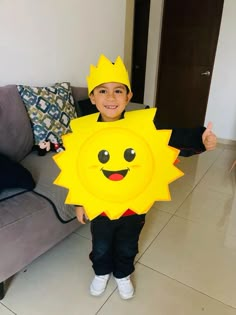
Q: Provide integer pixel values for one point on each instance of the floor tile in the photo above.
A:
(57, 283)
(179, 190)
(199, 162)
(5, 311)
(210, 207)
(84, 230)
(155, 222)
(157, 294)
(219, 177)
(196, 166)
(226, 158)
(196, 255)
(186, 261)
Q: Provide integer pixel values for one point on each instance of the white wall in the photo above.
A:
(46, 41)
(221, 108)
(222, 98)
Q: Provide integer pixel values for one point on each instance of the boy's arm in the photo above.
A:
(191, 141)
(188, 141)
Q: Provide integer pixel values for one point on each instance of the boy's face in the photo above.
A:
(110, 99)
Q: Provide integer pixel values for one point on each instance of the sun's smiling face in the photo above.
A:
(112, 167)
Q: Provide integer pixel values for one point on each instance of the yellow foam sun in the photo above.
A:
(114, 166)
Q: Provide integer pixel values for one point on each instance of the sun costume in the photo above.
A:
(114, 166)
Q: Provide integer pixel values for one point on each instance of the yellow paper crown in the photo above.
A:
(106, 71)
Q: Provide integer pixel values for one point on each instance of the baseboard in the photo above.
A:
(226, 141)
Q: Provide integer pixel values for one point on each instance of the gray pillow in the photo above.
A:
(16, 137)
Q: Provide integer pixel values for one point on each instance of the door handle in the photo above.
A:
(207, 73)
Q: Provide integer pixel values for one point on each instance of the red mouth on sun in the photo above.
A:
(115, 175)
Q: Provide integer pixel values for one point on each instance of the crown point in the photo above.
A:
(106, 71)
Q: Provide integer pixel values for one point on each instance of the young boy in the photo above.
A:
(115, 242)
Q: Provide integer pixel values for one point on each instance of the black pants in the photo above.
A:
(115, 244)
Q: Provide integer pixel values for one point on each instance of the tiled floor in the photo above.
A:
(186, 264)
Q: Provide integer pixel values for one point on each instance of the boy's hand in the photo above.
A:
(80, 214)
(209, 138)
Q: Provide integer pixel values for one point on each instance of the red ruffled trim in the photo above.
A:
(125, 214)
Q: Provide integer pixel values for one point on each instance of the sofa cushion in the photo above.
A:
(44, 171)
(14, 175)
(16, 138)
(50, 110)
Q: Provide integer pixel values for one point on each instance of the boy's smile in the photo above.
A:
(110, 99)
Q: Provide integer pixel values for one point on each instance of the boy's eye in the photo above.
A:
(102, 91)
(118, 91)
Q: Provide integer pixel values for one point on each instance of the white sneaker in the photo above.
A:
(125, 288)
(98, 285)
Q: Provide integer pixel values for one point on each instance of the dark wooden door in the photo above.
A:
(140, 38)
(189, 38)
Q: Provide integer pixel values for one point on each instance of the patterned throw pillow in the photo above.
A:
(50, 110)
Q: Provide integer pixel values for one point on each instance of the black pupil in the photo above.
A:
(103, 156)
(129, 154)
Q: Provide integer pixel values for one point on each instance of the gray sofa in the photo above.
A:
(31, 220)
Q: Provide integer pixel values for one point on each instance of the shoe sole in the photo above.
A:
(95, 293)
(126, 297)
(98, 293)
